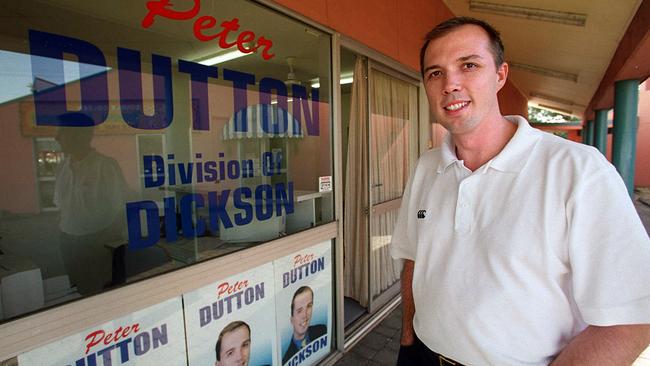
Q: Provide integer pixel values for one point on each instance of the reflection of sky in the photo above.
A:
(17, 78)
(261, 352)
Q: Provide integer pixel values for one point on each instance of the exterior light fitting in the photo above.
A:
(545, 15)
(552, 98)
(565, 111)
(544, 71)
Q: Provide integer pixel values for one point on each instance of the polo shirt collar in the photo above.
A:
(447, 154)
(512, 158)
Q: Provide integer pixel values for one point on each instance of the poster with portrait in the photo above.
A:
(152, 336)
(303, 282)
(231, 322)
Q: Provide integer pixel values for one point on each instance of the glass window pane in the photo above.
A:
(128, 153)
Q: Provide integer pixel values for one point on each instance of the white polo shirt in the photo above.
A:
(515, 259)
(89, 193)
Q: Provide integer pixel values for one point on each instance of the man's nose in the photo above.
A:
(451, 83)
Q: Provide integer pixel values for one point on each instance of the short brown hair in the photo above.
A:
(227, 329)
(298, 292)
(454, 23)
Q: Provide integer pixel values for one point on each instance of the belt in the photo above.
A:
(442, 360)
(419, 354)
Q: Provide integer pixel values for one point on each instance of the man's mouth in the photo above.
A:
(456, 106)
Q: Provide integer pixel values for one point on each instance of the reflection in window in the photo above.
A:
(164, 162)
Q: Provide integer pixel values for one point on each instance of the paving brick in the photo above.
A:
(386, 357)
(385, 330)
(374, 340)
(393, 321)
(393, 345)
(364, 351)
(352, 359)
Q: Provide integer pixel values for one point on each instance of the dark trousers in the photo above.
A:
(418, 354)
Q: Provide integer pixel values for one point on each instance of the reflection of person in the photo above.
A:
(233, 345)
(302, 306)
(520, 247)
(90, 194)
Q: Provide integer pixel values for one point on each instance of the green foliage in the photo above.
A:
(562, 134)
(538, 115)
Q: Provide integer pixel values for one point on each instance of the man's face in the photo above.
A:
(461, 79)
(73, 142)
(235, 348)
(302, 308)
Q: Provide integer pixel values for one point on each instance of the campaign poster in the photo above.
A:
(304, 305)
(232, 321)
(152, 336)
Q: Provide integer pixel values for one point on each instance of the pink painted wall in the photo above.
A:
(642, 173)
(18, 192)
(511, 101)
(394, 28)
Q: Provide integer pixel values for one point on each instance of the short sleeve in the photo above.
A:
(403, 244)
(609, 252)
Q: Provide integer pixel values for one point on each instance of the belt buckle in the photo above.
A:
(444, 361)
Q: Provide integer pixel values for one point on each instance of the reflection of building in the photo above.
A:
(372, 124)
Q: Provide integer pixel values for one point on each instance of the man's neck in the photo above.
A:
(80, 154)
(483, 143)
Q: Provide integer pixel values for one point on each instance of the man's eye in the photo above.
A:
(470, 65)
(435, 74)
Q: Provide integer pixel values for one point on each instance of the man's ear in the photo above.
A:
(502, 75)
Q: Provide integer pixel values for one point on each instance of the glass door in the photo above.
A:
(393, 147)
(380, 145)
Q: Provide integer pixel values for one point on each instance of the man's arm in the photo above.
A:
(408, 305)
(612, 345)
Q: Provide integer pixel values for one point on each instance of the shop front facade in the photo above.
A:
(204, 182)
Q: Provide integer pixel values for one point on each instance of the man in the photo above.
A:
(520, 247)
(233, 345)
(90, 192)
(302, 306)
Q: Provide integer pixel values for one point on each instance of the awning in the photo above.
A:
(262, 121)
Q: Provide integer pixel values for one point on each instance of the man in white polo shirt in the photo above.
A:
(520, 248)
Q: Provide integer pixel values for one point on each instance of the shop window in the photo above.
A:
(132, 150)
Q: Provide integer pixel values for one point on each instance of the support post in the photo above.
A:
(600, 131)
(590, 133)
(626, 102)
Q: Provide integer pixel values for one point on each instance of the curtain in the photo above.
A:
(356, 191)
(393, 139)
